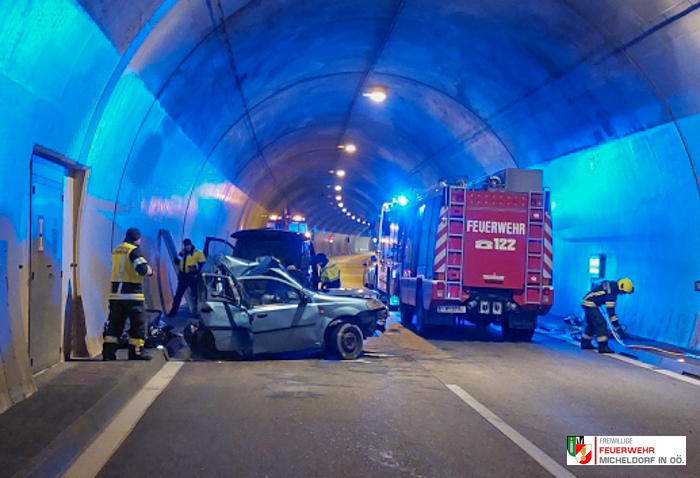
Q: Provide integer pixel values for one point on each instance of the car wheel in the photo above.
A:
(348, 341)
(206, 344)
(190, 335)
(407, 314)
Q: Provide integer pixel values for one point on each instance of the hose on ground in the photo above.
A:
(648, 348)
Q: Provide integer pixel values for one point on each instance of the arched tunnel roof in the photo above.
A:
(269, 89)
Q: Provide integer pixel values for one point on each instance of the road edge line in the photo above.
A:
(547, 462)
(98, 453)
(622, 358)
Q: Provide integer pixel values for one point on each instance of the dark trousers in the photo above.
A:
(119, 311)
(595, 324)
(334, 284)
(184, 282)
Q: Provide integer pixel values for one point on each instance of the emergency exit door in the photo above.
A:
(45, 281)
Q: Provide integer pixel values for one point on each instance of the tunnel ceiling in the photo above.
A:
(268, 89)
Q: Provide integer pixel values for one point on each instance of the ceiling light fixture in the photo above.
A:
(340, 173)
(340, 204)
(339, 198)
(377, 93)
(345, 209)
(348, 147)
(338, 188)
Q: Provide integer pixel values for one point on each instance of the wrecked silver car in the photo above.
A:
(252, 308)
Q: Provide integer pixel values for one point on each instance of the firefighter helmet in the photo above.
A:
(625, 285)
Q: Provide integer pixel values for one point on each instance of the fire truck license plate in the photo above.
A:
(452, 309)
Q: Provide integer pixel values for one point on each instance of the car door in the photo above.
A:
(221, 313)
(215, 247)
(283, 318)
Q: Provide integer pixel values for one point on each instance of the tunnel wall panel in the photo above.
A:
(54, 63)
(146, 172)
(634, 200)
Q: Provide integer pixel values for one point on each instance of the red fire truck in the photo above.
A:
(480, 251)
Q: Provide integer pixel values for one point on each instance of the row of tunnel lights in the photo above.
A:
(376, 94)
(339, 200)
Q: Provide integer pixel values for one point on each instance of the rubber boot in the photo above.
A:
(137, 353)
(604, 348)
(586, 344)
(109, 351)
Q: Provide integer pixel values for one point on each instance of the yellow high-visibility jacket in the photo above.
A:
(191, 262)
(330, 273)
(128, 268)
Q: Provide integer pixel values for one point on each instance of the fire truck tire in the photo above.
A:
(407, 312)
(516, 335)
(421, 327)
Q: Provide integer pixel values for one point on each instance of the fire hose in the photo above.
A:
(647, 348)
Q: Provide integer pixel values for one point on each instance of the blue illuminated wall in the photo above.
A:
(55, 67)
(636, 201)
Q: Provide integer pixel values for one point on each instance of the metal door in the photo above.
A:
(45, 285)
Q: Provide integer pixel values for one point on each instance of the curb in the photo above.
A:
(659, 361)
(69, 444)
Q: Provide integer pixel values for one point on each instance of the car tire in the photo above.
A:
(190, 336)
(407, 312)
(206, 344)
(347, 341)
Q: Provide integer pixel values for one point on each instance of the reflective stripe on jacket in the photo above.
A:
(330, 273)
(191, 262)
(605, 294)
(127, 282)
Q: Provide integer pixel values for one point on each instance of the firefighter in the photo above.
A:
(126, 298)
(330, 272)
(606, 294)
(190, 263)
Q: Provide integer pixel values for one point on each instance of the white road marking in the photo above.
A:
(95, 456)
(662, 371)
(526, 445)
(631, 361)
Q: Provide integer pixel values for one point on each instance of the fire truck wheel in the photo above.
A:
(407, 314)
(421, 327)
(516, 335)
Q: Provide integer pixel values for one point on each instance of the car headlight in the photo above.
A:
(374, 304)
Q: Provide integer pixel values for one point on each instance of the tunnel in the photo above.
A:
(202, 117)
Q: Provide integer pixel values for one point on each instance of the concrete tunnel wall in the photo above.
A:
(145, 172)
(602, 95)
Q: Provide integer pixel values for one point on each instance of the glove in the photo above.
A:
(619, 329)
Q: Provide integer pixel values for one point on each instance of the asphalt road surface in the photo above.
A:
(351, 269)
(462, 403)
